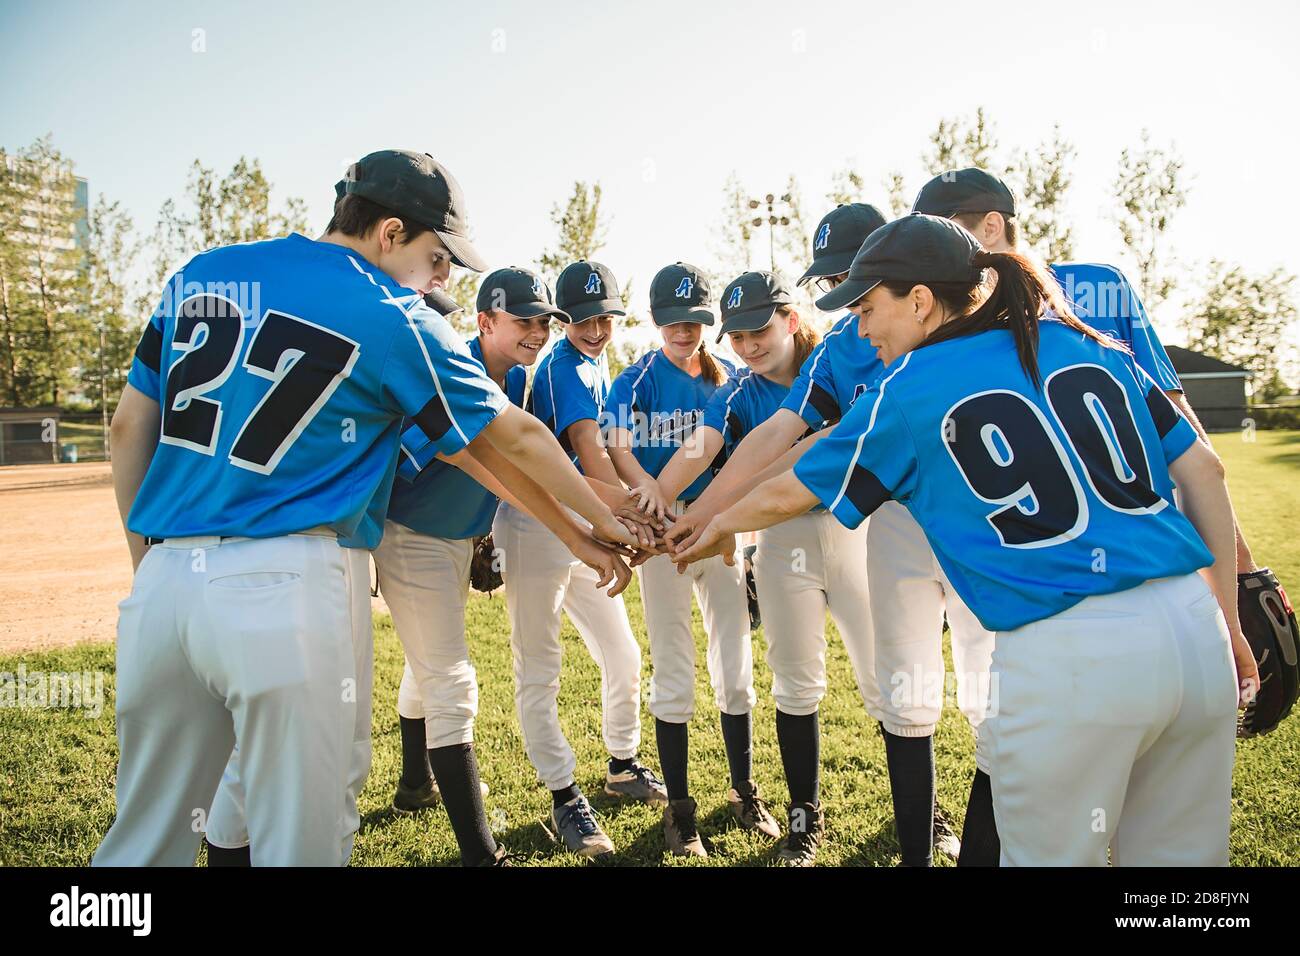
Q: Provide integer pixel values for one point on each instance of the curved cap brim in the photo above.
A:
(682, 313)
(441, 303)
(583, 311)
(462, 252)
(832, 265)
(846, 293)
(751, 321)
(527, 310)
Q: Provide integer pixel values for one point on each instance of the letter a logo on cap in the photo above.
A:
(733, 300)
(593, 284)
(823, 236)
(537, 285)
(684, 288)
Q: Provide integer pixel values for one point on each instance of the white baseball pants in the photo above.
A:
(1114, 727)
(909, 597)
(248, 641)
(542, 578)
(425, 582)
(803, 568)
(666, 597)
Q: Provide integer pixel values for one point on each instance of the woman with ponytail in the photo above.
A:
(653, 409)
(801, 569)
(1040, 460)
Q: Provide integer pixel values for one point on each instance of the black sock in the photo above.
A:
(673, 748)
(800, 741)
(621, 764)
(562, 796)
(980, 845)
(738, 735)
(456, 770)
(415, 758)
(911, 783)
(229, 856)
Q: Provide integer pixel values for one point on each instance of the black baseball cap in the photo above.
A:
(587, 289)
(751, 300)
(442, 303)
(417, 186)
(964, 190)
(680, 293)
(915, 248)
(518, 292)
(838, 238)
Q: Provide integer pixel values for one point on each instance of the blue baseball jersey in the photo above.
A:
(661, 406)
(840, 368)
(741, 404)
(1032, 500)
(284, 370)
(569, 387)
(434, 497)
(1101, 296)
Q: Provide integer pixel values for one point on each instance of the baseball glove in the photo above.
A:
(484, 566)
(1269, 625)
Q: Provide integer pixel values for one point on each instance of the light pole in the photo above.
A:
(772, 220)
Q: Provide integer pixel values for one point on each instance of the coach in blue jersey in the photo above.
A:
(1112, 726)
(259, 428)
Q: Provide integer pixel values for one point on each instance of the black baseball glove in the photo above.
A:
(1269, 625)
(484, 568)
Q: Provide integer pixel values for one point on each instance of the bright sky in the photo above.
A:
(660, 101)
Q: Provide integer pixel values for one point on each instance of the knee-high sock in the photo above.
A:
(799, 738)
(229, 856)
(673, 750)
(911, 782)
(415, 758)
(738, 736)
(980, 845)
(456, 770)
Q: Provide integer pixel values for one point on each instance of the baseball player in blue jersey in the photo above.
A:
(1040, 460)
(543, 580)
(903, 581)
(257, 436)
(1099, 295)
(802, 569)
(653, 409)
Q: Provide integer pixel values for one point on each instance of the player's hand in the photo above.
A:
(611, 532)
(605, 563)
(650, 498)
(635, 514)
(706, 542)
(645, 534)
(1247, 669)
(686, 529)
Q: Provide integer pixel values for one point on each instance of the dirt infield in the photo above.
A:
(63, 561)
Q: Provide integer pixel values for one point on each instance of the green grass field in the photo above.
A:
(57, 767)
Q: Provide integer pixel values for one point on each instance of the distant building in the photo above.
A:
(78, 236)
(1215, 389)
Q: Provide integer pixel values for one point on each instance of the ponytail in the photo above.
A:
(1022, 294)
(710, 370)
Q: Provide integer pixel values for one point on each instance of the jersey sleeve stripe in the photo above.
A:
(857, 451)
(824, 402)
(865, 490)
(812, 370)
(1162, 410)
(149, 351)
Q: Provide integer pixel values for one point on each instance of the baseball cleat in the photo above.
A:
(751, 811)
(946, 840)
(426, 795)
(680, 831)
(807, 832)
(637, 783)
(575, 826)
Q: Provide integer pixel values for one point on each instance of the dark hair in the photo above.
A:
(1023, 292)
(969, 220)
(356, 216)
(710, 370)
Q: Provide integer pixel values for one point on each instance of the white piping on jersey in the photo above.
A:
(817, 357)
(726, 415)
(428, 360)
(871, 423)
(653, 356)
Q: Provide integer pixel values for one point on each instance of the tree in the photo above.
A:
(734, 232)
(113, 326)
(846, 187)
(1150, 189)
(1244, 319)
(956, 143)
(899, 204)
(1041, 178)
(581, 229)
